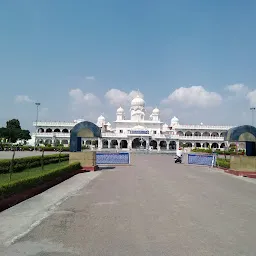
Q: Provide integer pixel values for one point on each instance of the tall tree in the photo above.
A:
(13, 131)
(13, 124)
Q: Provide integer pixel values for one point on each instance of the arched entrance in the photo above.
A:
(83, 129)
(104, 143)
(215, 145)
(163, 144)
(172, 145)
(113, 143)
(139, 143)
(123, 144)
(153, 144)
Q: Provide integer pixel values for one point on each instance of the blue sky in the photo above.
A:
(48, 49)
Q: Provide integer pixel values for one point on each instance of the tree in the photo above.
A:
(13, 131)
(24, 135)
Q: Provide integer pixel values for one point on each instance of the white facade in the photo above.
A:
(136, 132)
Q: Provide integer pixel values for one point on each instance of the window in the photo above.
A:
(121, 131)
(154, 132)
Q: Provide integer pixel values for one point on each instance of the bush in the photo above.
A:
(21, 164)
(19, 186)
(202, 150)
(225, 163)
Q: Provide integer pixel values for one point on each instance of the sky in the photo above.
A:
(192, 59)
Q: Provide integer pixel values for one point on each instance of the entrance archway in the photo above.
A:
(136, 143)
(153, 144)
(172, 145)
(123, 144)
(163, 144)
(83, 129)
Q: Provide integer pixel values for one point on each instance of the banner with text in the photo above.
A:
(202, 159)
(113, 158)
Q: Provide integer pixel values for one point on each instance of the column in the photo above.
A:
(99, 143)
(177, 144)
(109, 142)
(158, 146)
(129, 144)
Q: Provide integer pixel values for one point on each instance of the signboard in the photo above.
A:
(200, 159)
(139, 132)
(113, 158)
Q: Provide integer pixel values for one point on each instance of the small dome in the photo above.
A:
(120, 110)
(156, 111)
(174, 120)
(108, 123)
(79, 120)
(138, 102)
(101, 117)
(165, 126)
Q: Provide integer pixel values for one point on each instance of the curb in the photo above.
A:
(239, 173)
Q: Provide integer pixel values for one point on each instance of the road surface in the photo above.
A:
(153, 207)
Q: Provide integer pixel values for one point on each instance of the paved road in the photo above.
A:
(151, 208)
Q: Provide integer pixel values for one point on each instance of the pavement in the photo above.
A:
(153, 207)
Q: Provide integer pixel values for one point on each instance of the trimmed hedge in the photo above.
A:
(15, 187)
(225, 163)
(20, 164)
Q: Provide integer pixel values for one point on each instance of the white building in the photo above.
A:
(136, 132)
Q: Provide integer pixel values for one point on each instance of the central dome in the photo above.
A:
(138, 102)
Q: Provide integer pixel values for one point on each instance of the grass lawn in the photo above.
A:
(33, 172)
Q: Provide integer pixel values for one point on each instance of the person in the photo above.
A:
(179, 152)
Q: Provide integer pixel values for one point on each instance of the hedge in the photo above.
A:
(21, 164)
(225, 163)
(19, 186)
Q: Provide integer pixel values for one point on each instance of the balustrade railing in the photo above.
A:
(202, 127)
(54, 124)
(121, 135)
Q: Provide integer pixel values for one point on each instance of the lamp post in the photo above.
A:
(252, 109)
(37, 107)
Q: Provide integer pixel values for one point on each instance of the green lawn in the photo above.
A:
(33, 172)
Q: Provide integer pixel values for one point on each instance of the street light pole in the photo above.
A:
(252, 109)
(37, 107)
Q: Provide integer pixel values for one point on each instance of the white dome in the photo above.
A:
(79, 120)
(101, 118)
(174, 120)
(108, 124)
(138, 102)
(165, 126)
(120, 110)
(156, 111)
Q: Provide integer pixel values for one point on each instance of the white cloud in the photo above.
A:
(84, 105)
(119, 98)
(251, 96)
(90, 78)
(23, 98)
(237, 88)
(78, 97)
(194, 96)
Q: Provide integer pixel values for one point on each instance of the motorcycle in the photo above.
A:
(178, 159)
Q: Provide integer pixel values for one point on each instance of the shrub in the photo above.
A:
(202, 150)
(19, 186)
(225, 163)
(21, 164)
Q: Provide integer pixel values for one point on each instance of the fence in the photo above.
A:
(202, 159)
(121, 158)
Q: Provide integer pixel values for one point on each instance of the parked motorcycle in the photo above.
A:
(178, 159)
